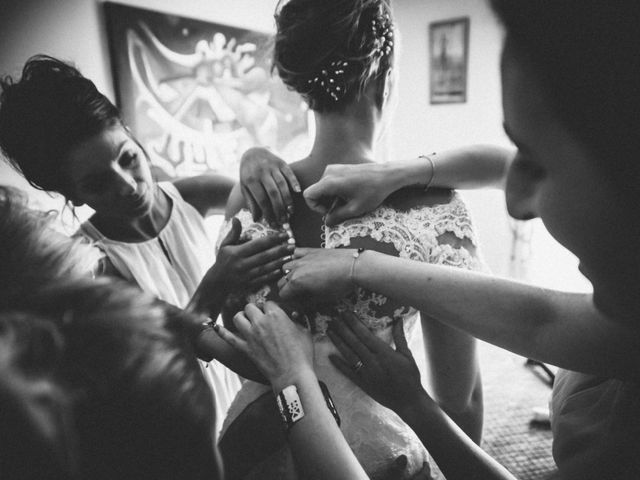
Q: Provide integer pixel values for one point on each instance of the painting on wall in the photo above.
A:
(448, 53)
(198, 94)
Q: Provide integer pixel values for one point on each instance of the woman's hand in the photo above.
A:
(266, 182)
(321, 273)
(346, 191)
(280, 348)
(391, 377)
(240, 266)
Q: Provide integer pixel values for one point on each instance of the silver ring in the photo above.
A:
(357, 366)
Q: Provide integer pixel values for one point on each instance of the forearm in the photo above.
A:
(531, 321)
(210, 346)
(318, 446)
(475, 166)
(453, 374)
(207, 193)
(456, 454)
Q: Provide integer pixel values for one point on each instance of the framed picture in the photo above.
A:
(448, 53)
(198, 94)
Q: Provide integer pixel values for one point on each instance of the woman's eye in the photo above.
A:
(527, 167)
(128, 159)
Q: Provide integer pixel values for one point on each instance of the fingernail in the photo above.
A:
(297, 189)
(290, 209)
(283, 236)
(291, 248)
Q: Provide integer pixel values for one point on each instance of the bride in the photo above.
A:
(339, 55)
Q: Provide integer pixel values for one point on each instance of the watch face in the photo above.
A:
(290, 406)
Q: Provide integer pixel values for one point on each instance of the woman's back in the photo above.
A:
(432, 226)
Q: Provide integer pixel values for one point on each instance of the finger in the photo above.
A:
(342, 330)
(281, 253)
(342, 212)
(274, 308)
(319, 195)
(253, 312)
(253, 206)
(276, 205)
(345, 368)
(302, 252)
(233, 339)
(364, 335)
(348, 354)
(233, 236)
(266, 279)
(285, 195)
(291, 178)
(258, 245)
(285, 292)
(399, 338)
(242, 324)
(257, 272)
(262, 199)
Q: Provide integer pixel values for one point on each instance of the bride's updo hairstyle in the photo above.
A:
(330, 50)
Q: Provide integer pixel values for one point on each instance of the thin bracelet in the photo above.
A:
(356, 254)
(433, 168)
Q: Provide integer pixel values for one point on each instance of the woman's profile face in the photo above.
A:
(555, 177)
(110, 173)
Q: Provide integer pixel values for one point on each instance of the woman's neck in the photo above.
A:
(345, 137)
(137, 229)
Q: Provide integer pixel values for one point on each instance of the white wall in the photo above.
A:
(419, 127)
(74, 30)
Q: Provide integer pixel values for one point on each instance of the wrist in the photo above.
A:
(416, 407)
(406, 173)
(302, 376)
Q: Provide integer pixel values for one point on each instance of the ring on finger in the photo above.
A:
(357, 366)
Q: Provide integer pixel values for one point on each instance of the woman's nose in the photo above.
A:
(126, 183)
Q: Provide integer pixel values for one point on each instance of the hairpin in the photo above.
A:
(382, 30)
(331, 79)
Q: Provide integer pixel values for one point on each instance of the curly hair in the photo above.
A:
(330, 50)
(102, 378)
(49, 110)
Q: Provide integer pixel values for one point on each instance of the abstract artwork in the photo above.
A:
(198, 94)
(448, 52)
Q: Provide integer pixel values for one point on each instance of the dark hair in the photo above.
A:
(138, 403)
(49, 110)
(347, 41)
(586, 55)
(32, 254)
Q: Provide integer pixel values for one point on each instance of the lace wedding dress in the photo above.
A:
(441, 234)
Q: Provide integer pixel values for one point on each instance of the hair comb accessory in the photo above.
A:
(331, 79)
(382, 30)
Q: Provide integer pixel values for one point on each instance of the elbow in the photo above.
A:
(467, 411)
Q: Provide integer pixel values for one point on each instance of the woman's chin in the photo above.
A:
(620, 308)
